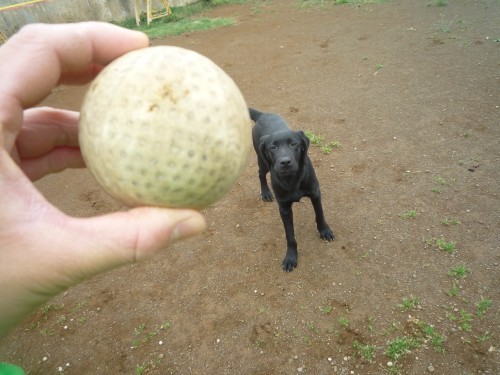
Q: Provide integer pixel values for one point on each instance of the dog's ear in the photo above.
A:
(305, 141)
(304, 146)
(263, 150)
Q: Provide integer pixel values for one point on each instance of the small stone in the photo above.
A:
(390, 364)
(430, 368)
(300, 369)
(45, 359)
(160, 342)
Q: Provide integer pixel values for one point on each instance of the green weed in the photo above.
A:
(411, 214)
(482, 306)
(441, 181)
(326, 310)
(436, 339)
(448, 247)
(140, 329)
(319, 141)
(409, 303)
(401, 346)
(344, 322)
(366, 352)
(483, 338)
(448, 222)
(459, 272)
(45, 310)
(316, 140)
(454, 290)
(465, 320)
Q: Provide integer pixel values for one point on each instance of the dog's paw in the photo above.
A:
(267, 196)
(289, 263)
(327, 234)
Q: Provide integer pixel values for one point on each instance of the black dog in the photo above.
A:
(283, 152)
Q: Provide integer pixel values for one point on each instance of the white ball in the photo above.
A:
(165, 126)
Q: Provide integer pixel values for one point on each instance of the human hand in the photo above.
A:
(42, 250)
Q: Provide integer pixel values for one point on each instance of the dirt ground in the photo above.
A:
(410, 90)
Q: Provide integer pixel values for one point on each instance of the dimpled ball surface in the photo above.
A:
(165, 126)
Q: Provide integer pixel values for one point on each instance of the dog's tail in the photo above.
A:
(254, 114)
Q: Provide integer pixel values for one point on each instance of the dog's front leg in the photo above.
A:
(265, 192)
(324, 230)
(290, 261)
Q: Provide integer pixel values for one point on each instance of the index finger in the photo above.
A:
(40, 56)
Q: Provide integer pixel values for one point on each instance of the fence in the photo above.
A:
(16, 13)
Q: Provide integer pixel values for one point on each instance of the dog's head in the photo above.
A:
(284, 151)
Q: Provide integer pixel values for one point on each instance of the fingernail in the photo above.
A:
(190, 227)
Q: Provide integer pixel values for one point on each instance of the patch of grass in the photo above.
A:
(447, 221)
(409, 303)
(465, 320)
(78, 306)
(441, 181)
(454, 290)
(441, 3)
(371, 323)
(319, 141)
(181, 20)
(482, 306)
(444, 25)
(140, 329)
(326, 310)
(143, 336)
(483, 338)
(459, 272)
(316, 140)
(448, 247)
(435, 338)
(358, 2)
(401, 346)
(311, 327)
(262, 310)
(411, 214)
(47, 309)
(379, 66)
(141, 369)
(366, 352)
(344, 322)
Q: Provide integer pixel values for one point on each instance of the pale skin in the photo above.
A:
(42, 250)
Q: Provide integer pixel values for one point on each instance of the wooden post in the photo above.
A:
(137, 10)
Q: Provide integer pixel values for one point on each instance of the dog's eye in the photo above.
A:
(293, 143)
(273, 147)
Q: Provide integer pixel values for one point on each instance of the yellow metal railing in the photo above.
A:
(20, 5)
(151, 14)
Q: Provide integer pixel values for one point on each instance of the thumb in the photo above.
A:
(120, 238)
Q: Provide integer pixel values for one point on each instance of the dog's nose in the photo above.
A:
(285, 162)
